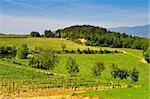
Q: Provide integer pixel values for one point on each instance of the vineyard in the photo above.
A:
(24, 89)
(18, 79)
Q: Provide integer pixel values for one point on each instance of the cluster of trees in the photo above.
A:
(21, 52)
(44, 60)
(97, 69)
(98, 36)
(47, 33)
(123, 73)
(8, 50)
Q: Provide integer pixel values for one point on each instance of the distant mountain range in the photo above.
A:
(142, 31)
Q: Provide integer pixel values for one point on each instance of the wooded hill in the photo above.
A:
(98, 36)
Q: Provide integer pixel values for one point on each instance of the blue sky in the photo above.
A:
(24, 16)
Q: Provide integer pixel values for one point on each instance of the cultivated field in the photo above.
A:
(58, 78)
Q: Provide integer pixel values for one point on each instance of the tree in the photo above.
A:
(134, 75)
(119, 73)
(22, 51)
(57, 33)
(44, 60)
(72, 67)
(63, 46)
(98, 68)
(35, 34)
(48, 33)
(114, 70)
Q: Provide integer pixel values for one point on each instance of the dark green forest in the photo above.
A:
(98, 36)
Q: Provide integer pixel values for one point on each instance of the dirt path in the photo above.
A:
(141, 58)
(144, 61)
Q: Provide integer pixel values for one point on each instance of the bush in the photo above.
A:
(119, 73)
(78, 51)
(44, 60)
(98, 68)
(134, 75)
(22, 51)
(72, 67)
(8, 50)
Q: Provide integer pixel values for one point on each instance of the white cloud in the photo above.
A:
(26, 24)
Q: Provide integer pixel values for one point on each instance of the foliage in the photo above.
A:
(134, 75)
(35, 34)
(98, 36)
(147, 55)
(8, 50)
(48, 33)
(98, 68)
(22, 51)
(72, 67)
(44, 60)
(119, 73)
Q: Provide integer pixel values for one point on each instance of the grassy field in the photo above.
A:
(130, 59)
(50, 43)
(125, 93)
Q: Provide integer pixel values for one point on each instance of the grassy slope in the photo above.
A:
(129, 60)
(125, 93)
(51, 43)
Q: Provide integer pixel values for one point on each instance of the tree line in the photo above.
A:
(97, 36)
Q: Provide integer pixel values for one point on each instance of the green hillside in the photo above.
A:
(131, 58)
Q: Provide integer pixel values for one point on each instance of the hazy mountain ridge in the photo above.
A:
(136, 31)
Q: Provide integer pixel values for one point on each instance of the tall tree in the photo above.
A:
(72, 67)
(98, 68)
(48, 33)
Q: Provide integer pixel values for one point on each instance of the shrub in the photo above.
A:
(98, 68)
(79, 51)
(134, 75)
(119, 73)
(44, 60)
(72, 67)
(22, 51)
(8, 50)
